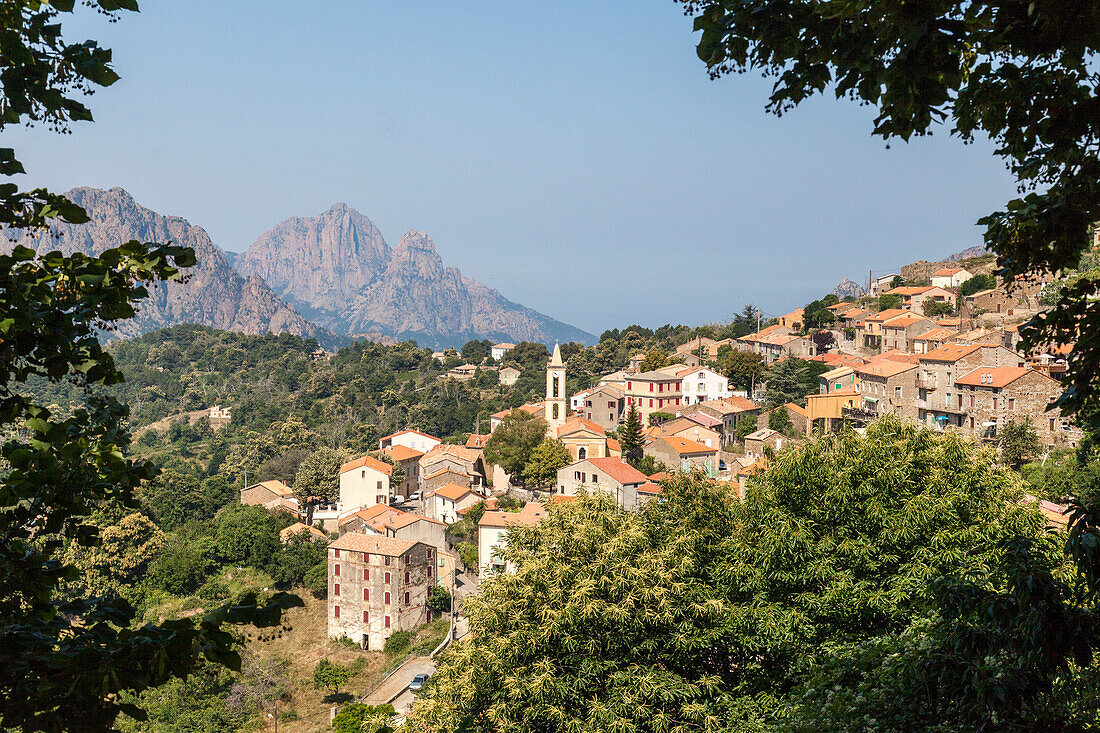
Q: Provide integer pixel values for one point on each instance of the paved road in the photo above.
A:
(399, 681)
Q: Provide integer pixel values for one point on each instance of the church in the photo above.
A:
(584, 438)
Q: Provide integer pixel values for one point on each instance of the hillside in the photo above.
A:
(338, 269)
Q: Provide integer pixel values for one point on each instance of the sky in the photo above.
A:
(573, 155)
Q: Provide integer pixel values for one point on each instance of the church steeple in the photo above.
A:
(555, 405)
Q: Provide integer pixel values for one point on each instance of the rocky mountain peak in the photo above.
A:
(416, 239)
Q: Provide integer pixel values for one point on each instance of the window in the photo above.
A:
(366, 558)
(628, 385)
(430, 571)
(336, 571)
(363, 473)
(336, 612)
(595, 479)
(366, 594)
(336, 554)
(366, 573)
(407, 577)
(897, 392)
(387, 578)
(582, 454)
(387, 561)
(366, 617)
(406, 598)
(429, 553)
(971, 400)
(661, 387)
(386, 598)
(651, 386)
(387, 622)
(994, 403)
(1052, 423)
(651, 401)
(408, 559)
(336, 589)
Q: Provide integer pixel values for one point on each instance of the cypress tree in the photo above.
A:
(630, 437)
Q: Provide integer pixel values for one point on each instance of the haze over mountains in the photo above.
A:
(331, 277)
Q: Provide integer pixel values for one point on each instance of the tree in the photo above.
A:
(786, 382)
(889, 301)
(60, 657)
(293, 559)
(330, 676)
(936, 308)
(359, 717)
(475, 351)
(439, 599)
(745, 427)
(977, 284)
(1018, 441)
(779, 419)
(184, 564)
(654, 359)
(542, 467)
(742, 368)
(657, 417)
(316, 579)
(631, 440)
(816, 314)
(514, 441)
(823, 340)
(246, 535)
(842, 547)
(125, 551)
(318, 477)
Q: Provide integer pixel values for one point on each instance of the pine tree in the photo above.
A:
(630, 437)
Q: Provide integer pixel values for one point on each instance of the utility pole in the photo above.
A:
(454, 599)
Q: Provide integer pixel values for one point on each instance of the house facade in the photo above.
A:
(681, 454)
(365, 481)
(653, 391)
(608, 475)
(413, 439)
(492, 535)
(950, 277)
(603, 406)
(376, 586)
(700, 384)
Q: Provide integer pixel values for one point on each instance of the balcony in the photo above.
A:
(858, 414)
(927, 385)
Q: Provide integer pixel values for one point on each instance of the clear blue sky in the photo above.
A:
(574, 155)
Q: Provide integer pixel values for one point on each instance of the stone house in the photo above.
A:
(447, 502)
(994, 396)
(603, 406)
(274, 495)
(797, 415)
(441, 477)
(931, 339)
(888, 387)
(376, 586)
(705, 347)
(388, 521)
(730, 411)
(994, 300)
(456, 458)
(843, 377)
(535, 408)
(869, 328)
(219, 416)
(938, 403)
(899, 332)
(609, 475)
(695, 428)
(492, 535)
(408, 460)
(755, 442)
(913, 298)
(681, 454)
(793, 320)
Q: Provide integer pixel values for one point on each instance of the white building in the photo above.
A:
(701, 384)
(364, 481)
(950, 277)
(410, 439)
(576, 402)
(492, 535)
(497, 351)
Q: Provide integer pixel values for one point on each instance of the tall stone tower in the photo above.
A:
(556, 404)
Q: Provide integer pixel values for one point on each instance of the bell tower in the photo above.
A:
(555, 405)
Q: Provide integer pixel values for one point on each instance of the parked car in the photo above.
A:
(418, 682)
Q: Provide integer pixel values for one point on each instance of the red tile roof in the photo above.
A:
(407, 431)
(454, 491)
(683, 446)
(532, 513)
(477, 440)
(575, 424)
(992, 376)
(275, 486)
(368, 462)
(358, 542)
(950, 352)
(619, 470)
(402, 453)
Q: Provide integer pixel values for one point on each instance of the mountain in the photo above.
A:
(214, 294)
(967, 253)
(337, 269)
(848, 289)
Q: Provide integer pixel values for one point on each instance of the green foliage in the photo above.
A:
(977, 284)
(650, 465)
(398, 642)
(900, 560)
(358, 717)
(654, 359)
(330, 676)
(657, 417)
(889, 301)
(742, 368)
(745, 426)
(185, 562)
(198, 703)
(510, 504)
(316, 579)
(779, 420)
(937, 308)
(475, 351)
(439, 599)
(631, 440)
(514, 441)
(816, 314)
(467, 553)
(176, 497)
(1018, 441)
(246, 535)
(126, 549)
(788, 381)
(318, 477)
(293, 560)
(542, 467)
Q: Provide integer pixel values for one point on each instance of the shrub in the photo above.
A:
(316, 580)
(467, 552)
(398, 642)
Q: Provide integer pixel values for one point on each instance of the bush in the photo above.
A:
(293, 560)
(439, 599)
(246, 535)
(357, 716)
(183, 564)
(467, 552)
(213, 590)
(398, 642)
(316, 580)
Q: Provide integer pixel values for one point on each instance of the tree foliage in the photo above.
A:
(542, 467)
(318, 476)
(631, 440)
(514, 441)
(976, 284)
(1018, 441)
(705, 613)
(330, 676)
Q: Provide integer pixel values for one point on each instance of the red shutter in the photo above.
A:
(336, 589)
(336, 572)
(406, 577)
(387, 622)
(366, 616)
(336, 612)
(406, 598)
(366, 594)
(386, 598)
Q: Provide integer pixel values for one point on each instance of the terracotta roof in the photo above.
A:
(910, 289)
(660, 476)
(402, 452)
(407, 431)
(759, 465)
(798, 409)
(846, 392)
(947, 272)
(741, 403)
(533, 408)
(438, 471)
(275, 485)
(453, 491)
(884, 368)
(532, 513)
(458, 451)
(683, 446)
(298, 527)
(509, 369)
(477, 440)
(656, 376)
(887, 314)
(903, 321)
(649, 488)
(703, 419)
(992, 376)
(613, 444)
(574, 424)
(619, 470)
(950, 352)
(358, 542)
(503, 345)
(367, 462)
(936, 334)
(840, 305)
(490, 504)
(895, 355)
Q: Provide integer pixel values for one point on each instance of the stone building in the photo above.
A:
(995, 396)
(376, 586)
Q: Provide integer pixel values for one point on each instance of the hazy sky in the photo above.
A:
(573, 155)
